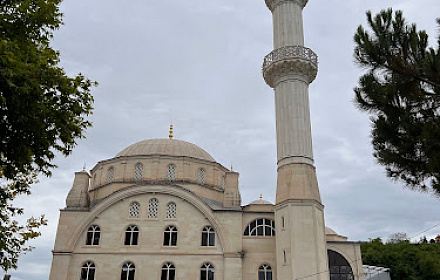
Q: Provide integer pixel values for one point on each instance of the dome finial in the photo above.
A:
(261, 196)
(171, 131)
(84, 167)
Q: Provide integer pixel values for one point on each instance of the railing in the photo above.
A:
(290, 52)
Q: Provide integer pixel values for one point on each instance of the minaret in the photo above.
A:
(299, 213)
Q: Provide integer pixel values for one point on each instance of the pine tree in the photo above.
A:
(401, 91)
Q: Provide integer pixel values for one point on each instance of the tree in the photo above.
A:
(42, 112)
(398, 237)
(401, 90)
(406, 261)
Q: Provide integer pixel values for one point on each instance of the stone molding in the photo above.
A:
(272, 4)
(291, 62)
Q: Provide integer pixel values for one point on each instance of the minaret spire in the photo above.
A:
(289, 69)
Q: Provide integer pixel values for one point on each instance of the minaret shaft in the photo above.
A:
(287, 26)
(289, 69)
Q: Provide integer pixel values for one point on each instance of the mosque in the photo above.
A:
(165, 209)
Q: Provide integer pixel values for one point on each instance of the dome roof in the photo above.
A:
(260, 202)
(165, 147)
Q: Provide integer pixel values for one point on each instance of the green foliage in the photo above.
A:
(406, 261)
(401, 90)
(42, 111)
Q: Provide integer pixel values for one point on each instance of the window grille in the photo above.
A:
(128, 271)
(111, 174)
(201, 176)
(171, 210)
(207, 272)
(134, 210)
(88, 271)
(170, 236)
(171, 176)
(138, 172)
(93, 235)
(131, 236)
(168, 272)
(265, 272)
(152, 208)
(208, 236)
(260, 227)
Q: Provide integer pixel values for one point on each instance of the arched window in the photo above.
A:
(128, 270)
(138, 171)
(201, 176)
(223, 182)
(170, 236)
(260, 227)
(171, 210)
(133, 211)
(339, 267)
(171, 175)
(88, 271)
(93, 235)
(131, 236)
(152, 208)
(208, 236)
(207, 272)
(111, 174)
(168, 272)
(265, 272)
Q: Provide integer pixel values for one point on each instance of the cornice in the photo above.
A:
(272, 4)
(290, 63)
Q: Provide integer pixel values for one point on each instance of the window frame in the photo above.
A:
(201, 176)
(138, 173)
(260, 227)
(130, 267)
(93, 235)
(166, 268)
(171, 172)
(150, 208)
(206, 270)
(131, 235)
(168, 213)
(266, 270)
(138, 210)
(88, 266)
(111, 174)
(208, 235)
(170, 235)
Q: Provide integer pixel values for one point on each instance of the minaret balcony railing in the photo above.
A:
(289, 53)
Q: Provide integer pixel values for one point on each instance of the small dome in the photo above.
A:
(165, 147)
(260, 202)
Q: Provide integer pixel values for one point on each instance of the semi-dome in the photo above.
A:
(165, 147)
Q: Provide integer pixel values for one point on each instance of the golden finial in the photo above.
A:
(171, 131)
(261, 196)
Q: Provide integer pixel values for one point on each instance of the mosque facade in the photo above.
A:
(165, 209)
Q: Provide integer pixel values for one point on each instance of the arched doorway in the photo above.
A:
(339, 267)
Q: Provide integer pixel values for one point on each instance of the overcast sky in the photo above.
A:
(197, 63)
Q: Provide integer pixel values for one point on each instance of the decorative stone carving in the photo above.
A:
(272, 4)
(290, 61)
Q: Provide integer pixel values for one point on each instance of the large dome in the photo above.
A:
(165, 147)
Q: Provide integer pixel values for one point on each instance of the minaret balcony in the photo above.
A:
(296, 62)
